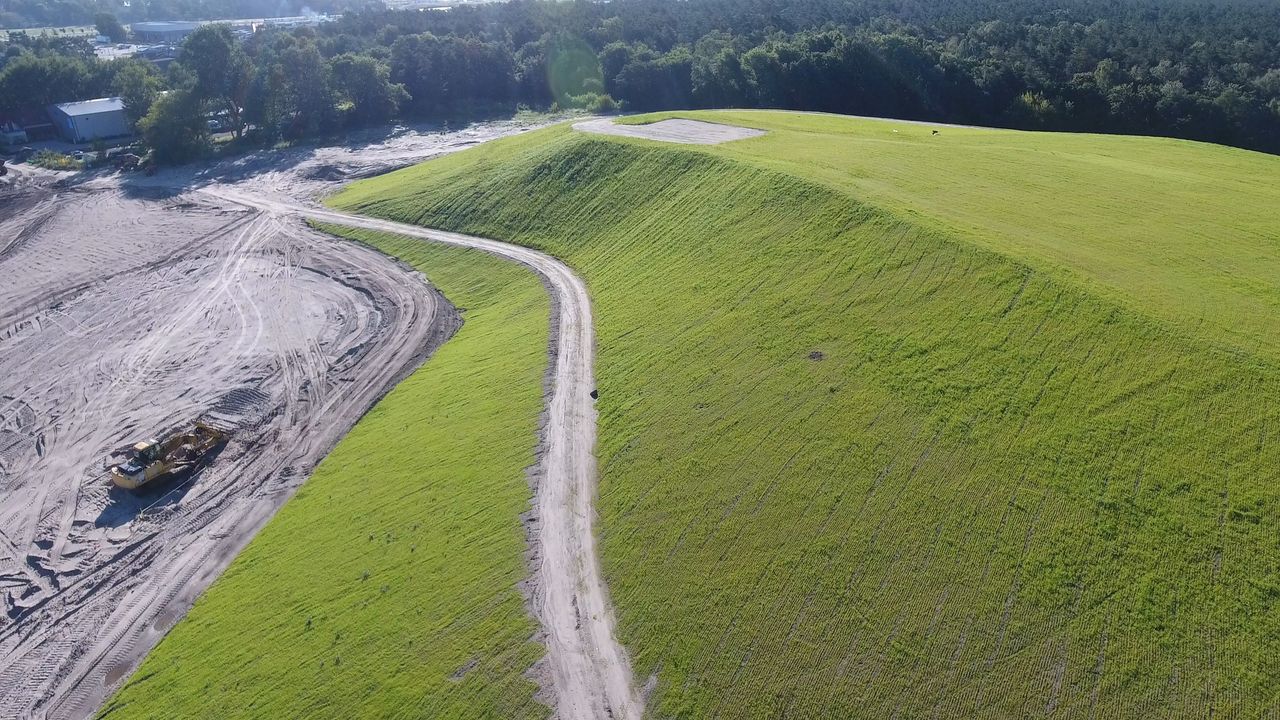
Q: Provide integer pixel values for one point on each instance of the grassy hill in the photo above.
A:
(895, 424)
(387, 587)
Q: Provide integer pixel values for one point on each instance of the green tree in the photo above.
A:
(1269, 83)
(108, 25)
(1033, 109)
(366, 84)
(307, 94)
(33, 80)
(222, 70)
(264, 107)
(716, 76)
(175, 127)
(138, 85)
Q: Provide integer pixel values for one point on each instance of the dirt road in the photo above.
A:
(133, 306)
(590, 673)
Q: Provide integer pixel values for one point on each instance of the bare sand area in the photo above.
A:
(134, 305)
(675, 130)
(127, 317)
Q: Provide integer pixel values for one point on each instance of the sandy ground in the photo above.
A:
(688, 132)
(134, 305)
(126, 317)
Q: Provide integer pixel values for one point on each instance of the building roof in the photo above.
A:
(163, 26)
(92, 107)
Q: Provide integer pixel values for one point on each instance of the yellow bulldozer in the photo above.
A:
(152, 459)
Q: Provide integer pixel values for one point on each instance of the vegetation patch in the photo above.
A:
(387, 587)
(976, 423)
(53, 160)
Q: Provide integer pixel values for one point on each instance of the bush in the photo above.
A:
(591, 102)
(175, 128)
(53, 160)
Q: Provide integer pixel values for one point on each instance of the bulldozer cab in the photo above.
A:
(145, 452)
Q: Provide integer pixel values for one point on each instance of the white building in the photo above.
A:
(89, 120)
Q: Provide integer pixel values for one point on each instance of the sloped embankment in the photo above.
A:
(852, 467)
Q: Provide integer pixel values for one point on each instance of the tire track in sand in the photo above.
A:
(590, 672)
(126, 317)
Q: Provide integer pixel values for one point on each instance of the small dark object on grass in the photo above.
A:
(935, 132)
(816, 355)
(595, 395)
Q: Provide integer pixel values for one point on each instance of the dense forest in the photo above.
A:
(1198, 69)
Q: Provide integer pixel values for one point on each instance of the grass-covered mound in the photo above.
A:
(387, 587)
(978, 428)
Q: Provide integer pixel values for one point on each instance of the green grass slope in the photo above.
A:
(1183, 231)
(866, 453)
(386, 588)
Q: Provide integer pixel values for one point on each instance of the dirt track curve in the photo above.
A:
(590, 673)
(132, 305)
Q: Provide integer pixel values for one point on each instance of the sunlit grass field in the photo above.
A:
(387, 587)
(894, 424)
(68, 31)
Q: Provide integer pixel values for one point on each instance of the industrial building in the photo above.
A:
(162, 32)
(81, 122)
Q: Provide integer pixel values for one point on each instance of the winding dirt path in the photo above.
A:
(590, 672)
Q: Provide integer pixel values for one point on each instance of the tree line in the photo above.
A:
(1195, 69)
